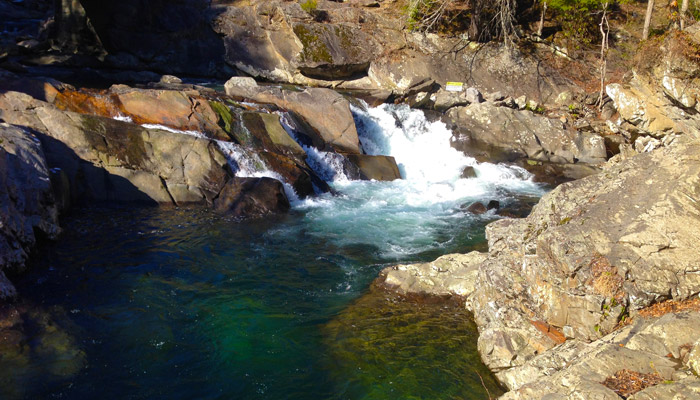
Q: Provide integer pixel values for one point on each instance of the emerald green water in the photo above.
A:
(181, 303)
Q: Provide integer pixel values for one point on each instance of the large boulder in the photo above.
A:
(184, 110)
(378, 168)
(280, 41)
(252, 197)
(111, 160)
(27, 206)
(524, 134)
(590, 251)
(325, 111)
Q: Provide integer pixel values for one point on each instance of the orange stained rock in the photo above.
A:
(551, 332)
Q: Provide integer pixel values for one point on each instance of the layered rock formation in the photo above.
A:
(591, 253)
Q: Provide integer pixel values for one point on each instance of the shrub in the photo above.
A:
(309, 6)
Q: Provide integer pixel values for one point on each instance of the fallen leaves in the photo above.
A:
(626, 382)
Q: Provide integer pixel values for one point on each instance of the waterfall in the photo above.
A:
(425, 158)
(327, 165)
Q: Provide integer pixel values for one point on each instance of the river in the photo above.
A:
(180, 303)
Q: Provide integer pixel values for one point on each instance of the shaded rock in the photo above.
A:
(324, 111)
(525, 134)
(477, 208)
(493, 205)
(110, 160)
(27, 206)
(379, 168)
(452, 274)
(252, 197)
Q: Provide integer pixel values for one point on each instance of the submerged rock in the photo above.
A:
(252, 197)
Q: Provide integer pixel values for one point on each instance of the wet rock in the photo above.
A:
(468, 172)
(109, 160)
(477, 208)
(252, 197)
(184, 110)
(27, 206)
(379, 168)
(324, 111)
(493, 205)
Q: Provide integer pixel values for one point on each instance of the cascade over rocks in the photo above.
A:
(324, 110)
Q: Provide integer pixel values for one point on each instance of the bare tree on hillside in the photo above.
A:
(647, 20)
(684, 11)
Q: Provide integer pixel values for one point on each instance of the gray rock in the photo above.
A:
(473, 95)
(694, 358)
(588, 251)
(326, 112)
(525, 134)
(27, 204)
(110, 160)
(452, 274)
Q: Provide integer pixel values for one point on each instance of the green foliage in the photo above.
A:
(579, 19)
(309, 6)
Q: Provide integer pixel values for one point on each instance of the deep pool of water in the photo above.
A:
(181, 303)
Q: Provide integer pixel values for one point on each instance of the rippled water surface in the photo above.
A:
(166, 303)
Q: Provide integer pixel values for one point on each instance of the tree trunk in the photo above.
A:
(604, 32)
(544, 11)
(684, 11)
(647, 20)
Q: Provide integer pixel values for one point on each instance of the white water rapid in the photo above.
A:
(421, 212)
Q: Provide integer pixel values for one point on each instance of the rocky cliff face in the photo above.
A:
(337, 44)
(28, 206)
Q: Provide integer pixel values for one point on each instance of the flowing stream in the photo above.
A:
(182, 303)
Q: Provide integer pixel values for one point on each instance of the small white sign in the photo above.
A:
(454, 86)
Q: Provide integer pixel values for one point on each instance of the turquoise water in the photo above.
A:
(180, 303)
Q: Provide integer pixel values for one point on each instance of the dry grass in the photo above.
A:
(626, 383)
(670, 306)
(606, 280)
